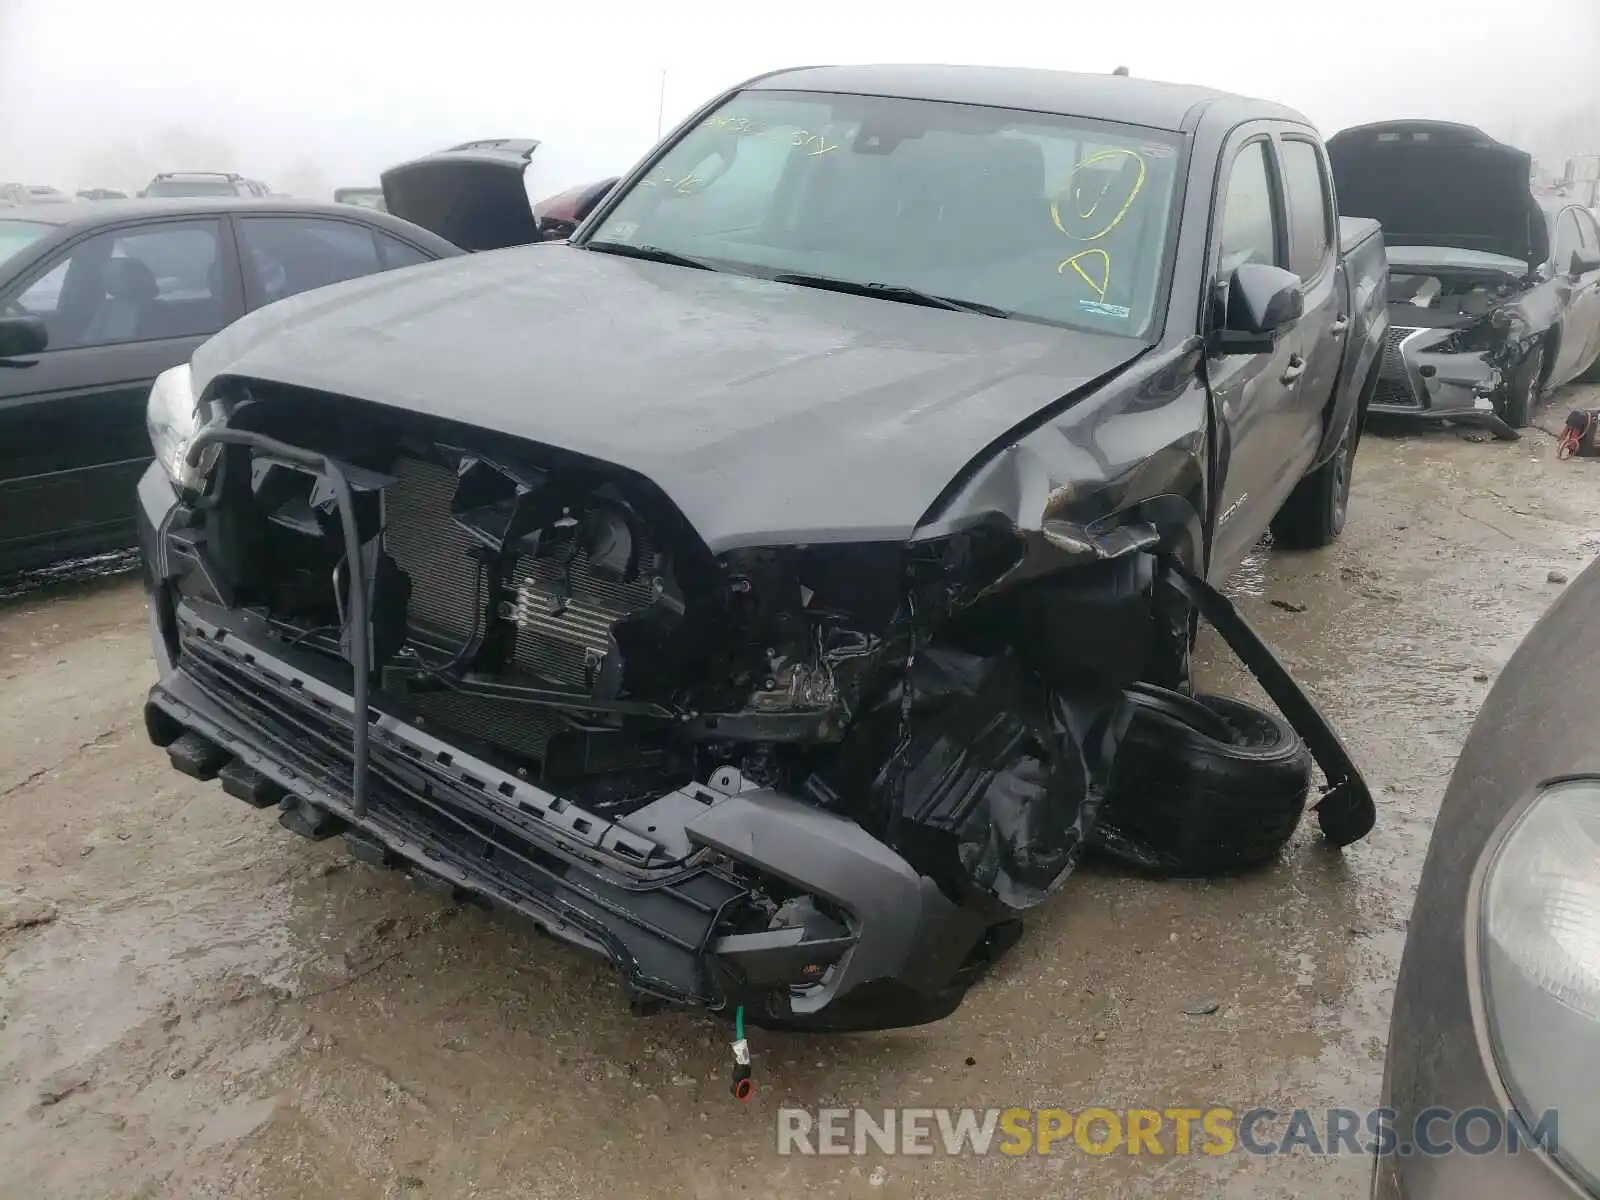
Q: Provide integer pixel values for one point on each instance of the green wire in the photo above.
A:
(738, 1024)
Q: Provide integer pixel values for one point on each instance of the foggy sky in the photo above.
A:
(309, 95)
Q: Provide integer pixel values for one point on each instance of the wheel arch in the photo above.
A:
(1550, 340)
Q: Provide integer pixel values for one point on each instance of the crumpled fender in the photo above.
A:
(1121, 469)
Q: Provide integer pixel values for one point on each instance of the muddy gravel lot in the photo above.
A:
(194, 1002)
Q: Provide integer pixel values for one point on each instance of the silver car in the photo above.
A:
(1494, 293)
(1497, 1007)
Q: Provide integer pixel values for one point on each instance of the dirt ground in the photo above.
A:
(193, 1002)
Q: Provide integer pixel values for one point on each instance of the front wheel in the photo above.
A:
(1314, 514)
(1201, 785)
(1521, 395)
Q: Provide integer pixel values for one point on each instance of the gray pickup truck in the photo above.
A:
(749, 588)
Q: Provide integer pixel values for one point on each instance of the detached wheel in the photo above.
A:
(1521, 396)
(1203, 785)
(1314, 514)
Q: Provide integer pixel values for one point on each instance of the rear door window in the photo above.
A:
(396, 253)
(1310, 222)
(284, 256)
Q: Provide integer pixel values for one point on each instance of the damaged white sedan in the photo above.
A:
(1494, 293)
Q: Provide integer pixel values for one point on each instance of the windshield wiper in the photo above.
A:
(889, 291)
(649, 254)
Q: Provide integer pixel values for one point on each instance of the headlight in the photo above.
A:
(173, 417)
(1541, 966)
(1482, 336)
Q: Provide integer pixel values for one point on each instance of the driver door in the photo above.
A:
(72, 419)
(1254, 395)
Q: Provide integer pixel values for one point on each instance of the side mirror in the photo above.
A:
(1260, 301)
(1583, 262)
(21, 336)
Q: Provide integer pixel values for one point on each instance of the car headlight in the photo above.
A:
(173, 416)
(1540, 951)
(1480, 337)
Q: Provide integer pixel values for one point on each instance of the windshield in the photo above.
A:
(191, 187)
(17, 236)
(1054, 219)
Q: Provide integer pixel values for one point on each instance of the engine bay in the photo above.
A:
(1450, 296)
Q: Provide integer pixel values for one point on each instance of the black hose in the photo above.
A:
(360, 649)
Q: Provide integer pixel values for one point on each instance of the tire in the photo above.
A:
(1521, 395)
(1314, 514)
(1201, 786)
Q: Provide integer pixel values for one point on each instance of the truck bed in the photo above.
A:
(1353, 231)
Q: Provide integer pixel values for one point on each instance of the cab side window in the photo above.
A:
(1310, 222)
(1250, 224)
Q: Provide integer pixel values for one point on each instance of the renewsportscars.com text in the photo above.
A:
(1159, 1131)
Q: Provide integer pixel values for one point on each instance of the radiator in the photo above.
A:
(563, 609)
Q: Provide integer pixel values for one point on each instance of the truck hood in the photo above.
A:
(473, 194)
(1432, 183)
(770, 414)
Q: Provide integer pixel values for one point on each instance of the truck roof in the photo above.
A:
(1122, 98)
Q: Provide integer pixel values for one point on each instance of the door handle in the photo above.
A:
(1296, 368)
(1340, 325)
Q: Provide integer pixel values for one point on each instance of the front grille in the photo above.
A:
(1394, 376)
(1393, 360)
(1394, 392)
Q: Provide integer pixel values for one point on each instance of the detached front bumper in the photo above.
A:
(276, 724)
(1418, 382)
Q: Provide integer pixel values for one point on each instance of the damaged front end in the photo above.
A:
(1469, 296)
(819, 782)
(1459, 348)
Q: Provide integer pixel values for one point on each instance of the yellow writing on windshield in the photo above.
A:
(1093, 266)
(681, 186)
(1097, 196)
(814, 143)
(1097, 207)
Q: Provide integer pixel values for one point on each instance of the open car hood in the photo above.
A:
(473, 194)
(1432, 183)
